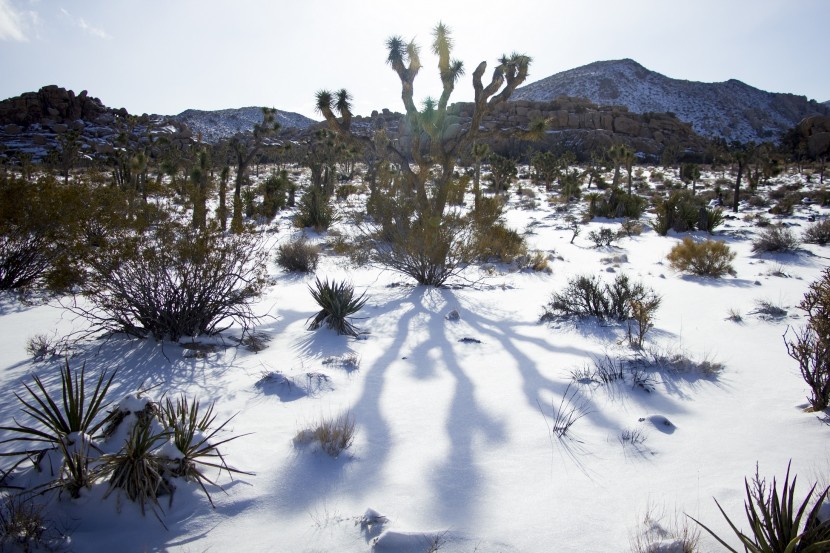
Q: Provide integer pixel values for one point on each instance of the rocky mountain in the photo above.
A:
(224, 123)
(731, 110)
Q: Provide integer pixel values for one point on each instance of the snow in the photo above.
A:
(453, 446)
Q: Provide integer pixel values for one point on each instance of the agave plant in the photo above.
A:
(76, 412)
(191, 431)
(775, 526)
(337, 302)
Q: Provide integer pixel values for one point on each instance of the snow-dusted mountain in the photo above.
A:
(732, 109)
(224, 123)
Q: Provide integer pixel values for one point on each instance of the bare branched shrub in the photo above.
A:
(41, 346)
(298, 256)
(24, 528)
(776, 238)
(587, 296)
(708, 258)
(174, 282)
(810, 346)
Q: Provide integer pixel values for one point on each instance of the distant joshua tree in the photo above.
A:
(245, 149)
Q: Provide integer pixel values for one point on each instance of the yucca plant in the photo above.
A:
(138, 470)
(337, 302)
(775, 525)
(76, 473)
(76, 412)
(191, 430)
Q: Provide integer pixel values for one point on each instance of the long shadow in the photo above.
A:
(374, 428)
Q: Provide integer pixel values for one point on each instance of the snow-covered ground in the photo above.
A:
(453, 449)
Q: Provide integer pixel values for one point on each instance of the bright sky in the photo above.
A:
(164, 56)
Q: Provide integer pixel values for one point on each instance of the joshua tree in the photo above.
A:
(200, 175)
(690, 172)
(621, 154)
(431, 138)
(246, 148)
(742, 156)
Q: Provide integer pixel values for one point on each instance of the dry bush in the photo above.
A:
(810, 346)
(708, 258)
(498, 243)
(173, 282)
(775, 238)
(587, 296)
(818, 233)
(657, 535)
(333, 435)
(298, 256)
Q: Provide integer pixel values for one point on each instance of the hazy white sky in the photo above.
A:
(164, 56)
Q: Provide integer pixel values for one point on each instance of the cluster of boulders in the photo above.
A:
(571, 122)
(816, 133)
(37, 123)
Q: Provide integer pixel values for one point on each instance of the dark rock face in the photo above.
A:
(50, 105)
(730, 110)
(816, 131)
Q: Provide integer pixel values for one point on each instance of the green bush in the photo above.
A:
(679, 212)
(315, 210)
(708, 258)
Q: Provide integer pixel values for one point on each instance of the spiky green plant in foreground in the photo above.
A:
(192, 433)
(337, 302)
(775, 525)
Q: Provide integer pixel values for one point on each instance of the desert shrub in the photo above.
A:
(315, 210)
(535, 261)
(656, 534)
(274, 191)
(603, 237)
(337, 303)
(590, 296)
(172, 282)
(810, 346)
(343, 191)
(818, 233)
(630, 227)
(713, 218)
(39, 226)
(430, 250)
(497, 242)
(707, 258)
(775, 526)
(41, 346)
(23, 526)
(775, 238)
(298, 256)
(333, 435)
(502, 172)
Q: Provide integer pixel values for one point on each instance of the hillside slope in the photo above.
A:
(732, 110)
